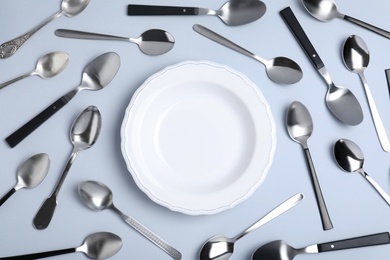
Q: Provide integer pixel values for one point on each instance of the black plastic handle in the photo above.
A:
(7, 196)
(34, 123)
(40, 255)
(161, 10)
(301, 37)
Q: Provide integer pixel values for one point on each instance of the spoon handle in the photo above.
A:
(376, 186)
(368, 26)
(7, 196)
(161, 10)
(87, 35)
(41, 255)
(9, 82)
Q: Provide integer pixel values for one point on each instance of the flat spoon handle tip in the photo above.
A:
(45, 214)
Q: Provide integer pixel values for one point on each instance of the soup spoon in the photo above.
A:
(69, 8)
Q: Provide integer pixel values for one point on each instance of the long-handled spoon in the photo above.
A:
(83, 135)
(69, 8)
(340, 101)
(281, 70)
(280, 250)
(221, 247)
(351, 159)
(98, 197)
(30, 174)
(99, 245)
(326, 10)
(151, 42)
(232, 13)
(96, 75)
(300, 127)
(47, 66)
(356, 58)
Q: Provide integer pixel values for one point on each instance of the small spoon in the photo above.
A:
(326, 10)
(83, 135)
(98, 197)
(151, 42)
(232, 13)
(221, 247)
(99, 245)
(96, 75)
(30, 174)
(281, 70)
(69, 8)
(300, 127)
(47, 66)
(351, 159)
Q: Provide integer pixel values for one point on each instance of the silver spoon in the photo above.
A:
(47, 66)
(98, 197)
(30, 174)
(151, 42)
(96, 75)
(221, 247)
(340, 101)
(356, 57)
(99, 245)
(326, 10)
(351, 159)
(232, 13)
(280, 250)
(300, 127)
(83, 135)
(69, 8)
(281, 70)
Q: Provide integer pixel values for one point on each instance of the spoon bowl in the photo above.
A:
(71, 8)
(101, 245)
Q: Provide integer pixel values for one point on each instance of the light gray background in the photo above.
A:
(355, 208)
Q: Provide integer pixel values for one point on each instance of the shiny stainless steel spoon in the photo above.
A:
(83, 135)
(232, 13)
(281, 70)
(96, 75)
(47, 66)
(151, 42)
(326, 10)
(340, 101)
(356, 57)
(30, 174)
(351, 159)
(98, 197)
(99, 245)
(300, 127)
(69, 8)
(221, 247)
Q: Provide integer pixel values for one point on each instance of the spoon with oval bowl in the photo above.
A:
(69, 8)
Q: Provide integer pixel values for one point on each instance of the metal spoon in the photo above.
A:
(280, 250)
(300, 127)
(30, 174)
(340, 101)
(232, 13)
(221, 247)
(83, 135)
(100, 245)
(69, 8)
(47, 66)
(96, 75)
(281, 70)
(351, 159)
(151, 42)
(98, 197)
(326, 10)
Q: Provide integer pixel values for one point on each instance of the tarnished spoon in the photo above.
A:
(30, 174)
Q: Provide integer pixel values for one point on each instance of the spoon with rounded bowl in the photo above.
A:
(83, 135)
(221, 247)
(96, 75)
(300, 127)
(101, 245)
(350, 158)
(281, 70)
(98, 197)
(69, 8)
(326, 10)
(30, 174)
(151, 42)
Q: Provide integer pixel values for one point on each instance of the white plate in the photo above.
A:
(198, 137)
